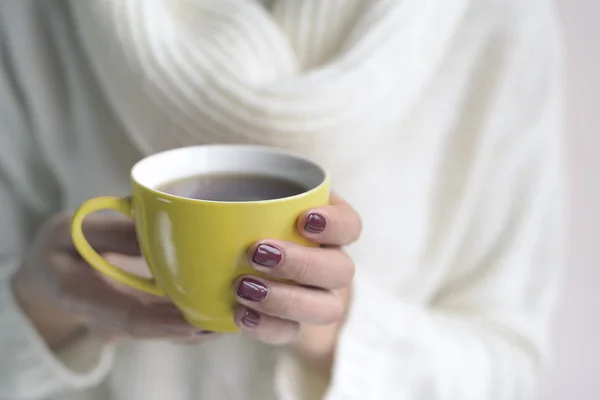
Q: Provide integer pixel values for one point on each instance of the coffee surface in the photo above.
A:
(233, 187)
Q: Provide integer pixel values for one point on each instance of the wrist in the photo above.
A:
(316, 346)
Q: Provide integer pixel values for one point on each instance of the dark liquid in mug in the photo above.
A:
(233, 187)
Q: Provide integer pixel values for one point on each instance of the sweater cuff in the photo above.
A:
(376, 349)
(375, 352)
(26, 358)
(295, 380)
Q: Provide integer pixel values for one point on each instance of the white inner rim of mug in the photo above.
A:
(161, 168)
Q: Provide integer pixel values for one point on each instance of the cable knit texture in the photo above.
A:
(439, 121)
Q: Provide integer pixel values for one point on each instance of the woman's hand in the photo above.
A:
(64, 296)
(280, 313)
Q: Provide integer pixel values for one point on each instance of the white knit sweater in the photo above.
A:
(440, 122)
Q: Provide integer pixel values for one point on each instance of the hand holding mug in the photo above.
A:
(197, 211)
(196, 249)
(273, 311)
(64, 297)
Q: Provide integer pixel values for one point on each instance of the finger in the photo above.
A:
(84, 293)
(266, 328)
(105, 234)
(117, 331)
(336, 224)
(135, 266)
(76, 270)
(329, 268)
(109, 334)
(157, 320)
(132, 319)
(296, 303)
(201, 338)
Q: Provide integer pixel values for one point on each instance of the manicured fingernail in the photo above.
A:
(315, 223)
(251, 318)
(267, 256)
(253, 290)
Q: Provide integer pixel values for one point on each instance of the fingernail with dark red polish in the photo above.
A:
(251, 318)
(253, 290)
(315, 223)
(267, 256)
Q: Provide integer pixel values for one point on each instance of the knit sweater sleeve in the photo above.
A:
(29, 193)
(483, 333)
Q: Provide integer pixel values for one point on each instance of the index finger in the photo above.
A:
(337, 224)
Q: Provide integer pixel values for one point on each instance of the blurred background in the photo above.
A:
(577, 328)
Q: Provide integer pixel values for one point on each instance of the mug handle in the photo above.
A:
(123, 205)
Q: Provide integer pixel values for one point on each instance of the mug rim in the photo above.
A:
(325, 177)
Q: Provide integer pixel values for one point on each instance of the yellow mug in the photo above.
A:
(194, 248)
